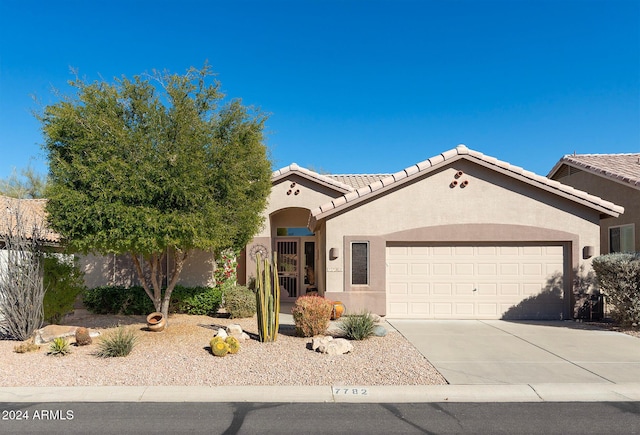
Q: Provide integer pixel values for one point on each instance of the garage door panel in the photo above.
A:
(419, 289)
(442, 269)
(419, 269)
(442, 289)
(465, 281)
(464, 269)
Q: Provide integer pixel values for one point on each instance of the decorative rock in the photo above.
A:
(234, 329)
(379, 331)
(49, 332)
(222, 333)
(376, 318)
(339, 346)
(320, 340)
(331, 346)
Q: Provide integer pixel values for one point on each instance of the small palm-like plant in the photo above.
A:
(119, 342)
(59, 347)
(357, 326)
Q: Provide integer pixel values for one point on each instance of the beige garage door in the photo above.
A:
(475, 282)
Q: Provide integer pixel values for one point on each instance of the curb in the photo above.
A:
(627, 392)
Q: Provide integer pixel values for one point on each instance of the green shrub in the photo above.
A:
(118, 300)
(357, 326)
(63, 282)
(618, 276)
(203, 301)
(311, 315)
(134, 300)
(240, 302)
(59, 347)
(119, 342)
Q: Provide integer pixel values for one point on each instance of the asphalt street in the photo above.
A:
(320, 418)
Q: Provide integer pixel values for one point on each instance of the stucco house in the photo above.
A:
(458, 236)
(612, 176)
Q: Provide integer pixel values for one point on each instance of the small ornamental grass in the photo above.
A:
(119, 342)
(59, 347)
(357, 326)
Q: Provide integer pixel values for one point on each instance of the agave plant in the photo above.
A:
(59, 347)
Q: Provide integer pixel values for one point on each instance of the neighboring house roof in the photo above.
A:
(33, 213)
(622, 168)
(461, 152)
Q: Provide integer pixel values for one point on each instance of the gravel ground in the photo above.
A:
(180, 356)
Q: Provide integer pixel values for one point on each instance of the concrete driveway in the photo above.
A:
(501, 352)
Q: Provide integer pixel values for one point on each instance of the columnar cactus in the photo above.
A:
(267, 299)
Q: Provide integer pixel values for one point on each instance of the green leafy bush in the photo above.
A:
(134, 300)
(618, 276)
(59, 347)
(118, 300)
(240, 302)
(311, 315)
(63, 282)
(357, 326)
(119, 342)
(203, 301)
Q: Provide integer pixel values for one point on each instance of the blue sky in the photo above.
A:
(352, 86)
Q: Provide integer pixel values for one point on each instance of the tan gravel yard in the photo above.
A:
(180, 356)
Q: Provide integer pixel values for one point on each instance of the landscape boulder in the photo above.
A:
(331, 346)
(49, 332)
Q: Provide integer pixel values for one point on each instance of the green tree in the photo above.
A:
(155, 165)
(27, 185)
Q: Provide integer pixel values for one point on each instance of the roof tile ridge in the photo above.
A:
(293, 167)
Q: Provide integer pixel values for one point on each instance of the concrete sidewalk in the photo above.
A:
(627, 392)
(494, 352)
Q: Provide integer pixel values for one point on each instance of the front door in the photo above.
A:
(296, 266)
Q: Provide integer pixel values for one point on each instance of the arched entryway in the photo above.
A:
(297, 252)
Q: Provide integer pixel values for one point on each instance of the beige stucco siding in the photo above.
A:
(490, 199)
(613, 191)
(295, 191)
(119, 270)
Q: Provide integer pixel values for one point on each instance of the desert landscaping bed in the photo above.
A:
(180, 356)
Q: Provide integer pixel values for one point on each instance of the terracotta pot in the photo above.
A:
(338, 310)
(156, 322)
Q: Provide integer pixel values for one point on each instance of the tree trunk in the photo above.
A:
(154, 289)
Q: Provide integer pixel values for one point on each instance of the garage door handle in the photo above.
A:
(475, 289)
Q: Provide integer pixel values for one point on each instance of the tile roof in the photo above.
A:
(461, 151)
(325, 180)
(33, 212)
(357, 180)
(623, 168)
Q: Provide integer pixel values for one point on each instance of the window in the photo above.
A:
(360, 263)
(293, 231)
(622, 239)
